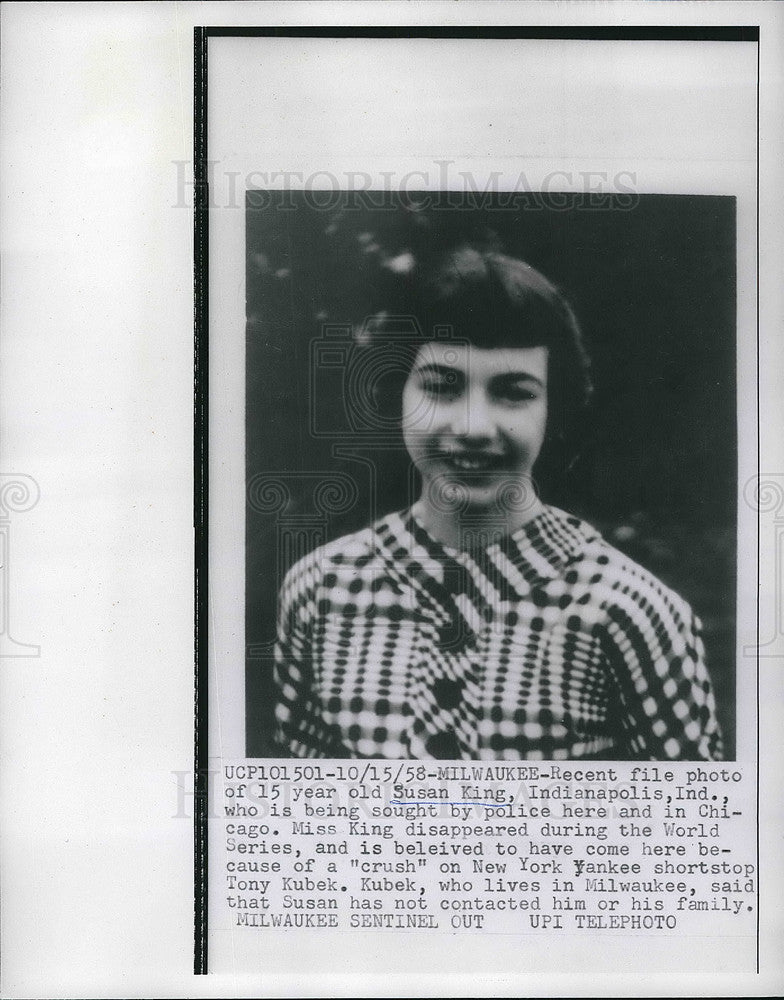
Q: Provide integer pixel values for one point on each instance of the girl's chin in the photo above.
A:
(477, 495)
(502, 495)
(485, 493)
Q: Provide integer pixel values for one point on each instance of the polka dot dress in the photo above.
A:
(548, 644)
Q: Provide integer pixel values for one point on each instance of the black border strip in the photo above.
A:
(665, 33)
(759, 514)
(745, 33)
(200, 495)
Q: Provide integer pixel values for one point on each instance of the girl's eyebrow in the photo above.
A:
(519, 377)
(433, 368)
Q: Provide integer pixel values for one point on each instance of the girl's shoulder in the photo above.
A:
(341, 559)
(613, 575)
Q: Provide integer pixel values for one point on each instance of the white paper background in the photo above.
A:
(96, 405)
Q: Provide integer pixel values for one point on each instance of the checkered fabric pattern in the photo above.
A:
(548, 644)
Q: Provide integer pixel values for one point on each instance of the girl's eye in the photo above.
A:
(518, 394)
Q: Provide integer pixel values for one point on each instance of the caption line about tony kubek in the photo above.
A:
(502, 848)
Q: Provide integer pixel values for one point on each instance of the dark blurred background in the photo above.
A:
(652, 281)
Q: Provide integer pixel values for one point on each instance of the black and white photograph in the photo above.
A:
(491, 463)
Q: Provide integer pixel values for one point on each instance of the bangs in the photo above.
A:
(489, 300)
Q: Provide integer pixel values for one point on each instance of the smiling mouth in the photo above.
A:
(473, 461)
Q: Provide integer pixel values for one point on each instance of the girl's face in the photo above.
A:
(474, 418)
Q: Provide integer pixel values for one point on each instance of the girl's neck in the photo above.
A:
(461, 530)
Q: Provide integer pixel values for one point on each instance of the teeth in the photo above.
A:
(470, 464)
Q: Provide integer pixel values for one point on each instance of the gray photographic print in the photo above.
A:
(491, 458)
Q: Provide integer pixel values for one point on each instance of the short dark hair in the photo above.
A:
(488, 299)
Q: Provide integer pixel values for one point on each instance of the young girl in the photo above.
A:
(481, 623)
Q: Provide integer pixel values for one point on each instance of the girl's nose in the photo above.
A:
(474, 420)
